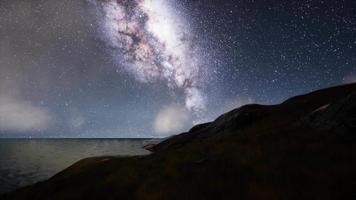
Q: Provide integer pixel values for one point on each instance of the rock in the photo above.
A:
(337, 117)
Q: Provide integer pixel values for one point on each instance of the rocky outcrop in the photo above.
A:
(230, 122)
(337, 117)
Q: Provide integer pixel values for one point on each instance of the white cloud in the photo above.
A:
(351, 78)
(21, 116)
(172, 119)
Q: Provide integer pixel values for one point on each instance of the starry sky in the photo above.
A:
(153, 68)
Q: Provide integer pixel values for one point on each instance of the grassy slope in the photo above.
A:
(254, 152)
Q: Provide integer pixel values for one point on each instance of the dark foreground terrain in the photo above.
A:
(304, 148)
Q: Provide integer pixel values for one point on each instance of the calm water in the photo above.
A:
(24, 162)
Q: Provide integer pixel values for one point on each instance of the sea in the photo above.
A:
(26, 161)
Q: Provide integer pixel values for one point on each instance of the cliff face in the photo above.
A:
(304, 148)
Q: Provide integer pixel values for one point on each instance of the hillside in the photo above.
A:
(303, 148)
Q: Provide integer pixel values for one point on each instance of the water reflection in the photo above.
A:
(24, 162)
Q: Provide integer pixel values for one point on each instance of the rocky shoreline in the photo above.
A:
(303, 148)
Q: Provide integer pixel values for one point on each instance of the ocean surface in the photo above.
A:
(27, 161)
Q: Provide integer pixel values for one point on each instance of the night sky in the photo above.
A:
(152, 68)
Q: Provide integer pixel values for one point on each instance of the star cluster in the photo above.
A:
(151, 42)
(148, 68)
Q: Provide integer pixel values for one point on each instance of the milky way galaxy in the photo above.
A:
(154, 68)
(152, 42)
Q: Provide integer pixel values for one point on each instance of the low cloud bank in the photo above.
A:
(21, 116)
(172, 119)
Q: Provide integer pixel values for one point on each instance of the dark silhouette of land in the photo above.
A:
(303, 148)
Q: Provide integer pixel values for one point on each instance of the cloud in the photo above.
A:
(351, 78)
(172, 119)
(21, 116)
